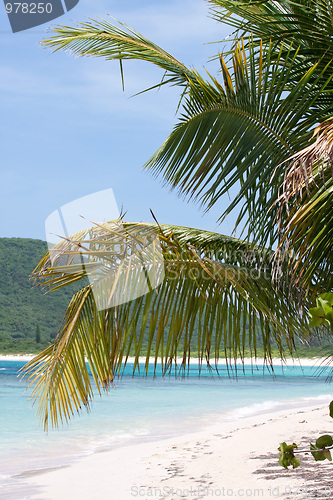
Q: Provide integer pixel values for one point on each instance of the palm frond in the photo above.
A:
(305, 211)
(102, 39)
(309, 232)
(230, 133)
(300, 25)
(216, 299)
(239, 132)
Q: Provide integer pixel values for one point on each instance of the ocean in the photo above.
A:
(138, 409)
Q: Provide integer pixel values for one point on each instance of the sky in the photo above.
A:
(68, 130)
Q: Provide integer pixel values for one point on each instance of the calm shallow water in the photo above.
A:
(140, 409)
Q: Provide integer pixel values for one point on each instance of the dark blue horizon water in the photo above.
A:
(143, 408)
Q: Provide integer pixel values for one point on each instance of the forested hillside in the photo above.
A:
(29, 318)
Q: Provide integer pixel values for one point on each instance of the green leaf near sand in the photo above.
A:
(323, 313)
(331, 409)
(321, 454)
(324, 441)
(287, 456)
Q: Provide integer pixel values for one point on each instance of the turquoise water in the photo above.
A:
(140, 409)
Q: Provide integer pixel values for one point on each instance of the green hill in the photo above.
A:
(30, 319)
(26, 313)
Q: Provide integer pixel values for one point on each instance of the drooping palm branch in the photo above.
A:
(230, 132)
(217, 297)
(102, 39)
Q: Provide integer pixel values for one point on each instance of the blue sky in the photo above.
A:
(68, 130)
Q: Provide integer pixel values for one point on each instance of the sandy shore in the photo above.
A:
(249, 361)
(16, 357)
(236, 459)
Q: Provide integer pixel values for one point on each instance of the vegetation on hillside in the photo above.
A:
(27, 314)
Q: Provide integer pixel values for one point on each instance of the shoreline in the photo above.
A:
(316, 361)
(234, 449)
(225, 459)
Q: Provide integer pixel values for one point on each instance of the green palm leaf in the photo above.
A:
(300, 25)
(216, 299)
(230, 133)
(237, 134)
(102, 39)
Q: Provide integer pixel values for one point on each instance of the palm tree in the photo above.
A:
(250, 127)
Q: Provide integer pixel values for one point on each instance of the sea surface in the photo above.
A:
(139, 409)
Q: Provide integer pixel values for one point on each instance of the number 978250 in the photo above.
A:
(28, 8)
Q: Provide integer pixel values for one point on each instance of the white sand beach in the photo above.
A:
(16, 357)
(258, 361)
(236, 459)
